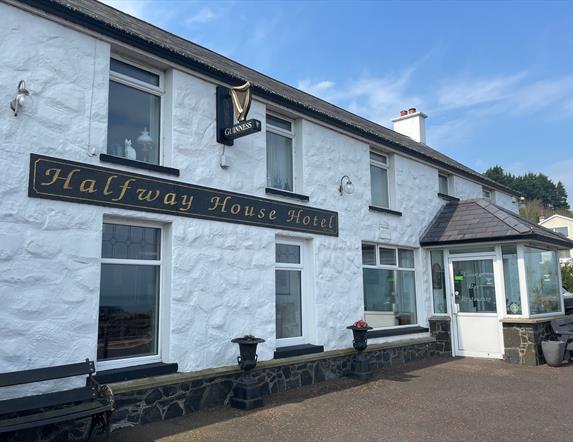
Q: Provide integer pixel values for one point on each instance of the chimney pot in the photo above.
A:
(412, 110)
(403, 112)
(411, 124)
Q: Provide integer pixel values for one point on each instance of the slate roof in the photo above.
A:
(479, 220)
(106, 20)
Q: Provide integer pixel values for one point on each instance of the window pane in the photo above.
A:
(288, 253)
(564, 254)
(471, 250)
(387, 257)
(541, 271)
(128, 311)
(561, 230)
(438, 281)
(511, 280)
(280, 123)
(369, 254)
(378, 158)
(120, 241)
(474, 286)
(379, 186)
(279, 162)
(443, 184)
(133, 123)
(288, 303)
(406, 298)
(486, 193)
(133, 72)
(406, 258)
(379, 290)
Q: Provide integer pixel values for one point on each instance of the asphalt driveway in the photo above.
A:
(456, 399)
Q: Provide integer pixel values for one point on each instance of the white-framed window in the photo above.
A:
(389, 286)
(379, 179)
(487, 194)
(280, 153)
(130, 293)
(561, 230)
(439, 294)
(289, 288)
(443, 184)
(134, 112)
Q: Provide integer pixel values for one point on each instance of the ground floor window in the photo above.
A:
(389, 286)
(129, 291)
(438, 281)
(542, 276)
(511, 280)
(288, 289)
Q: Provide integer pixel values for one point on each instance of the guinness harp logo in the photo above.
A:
(235, 100)
(241, 96)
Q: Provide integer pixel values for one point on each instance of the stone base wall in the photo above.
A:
(169, 398)
(523, 342)
(441, 330)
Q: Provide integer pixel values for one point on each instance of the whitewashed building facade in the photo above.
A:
(125, 287)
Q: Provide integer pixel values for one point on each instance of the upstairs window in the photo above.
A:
(379, 180)
(487, 193)
(443, 184)
(280, 155)
(562, 231)
(134, 113)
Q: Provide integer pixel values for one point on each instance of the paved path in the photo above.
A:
(456, 399)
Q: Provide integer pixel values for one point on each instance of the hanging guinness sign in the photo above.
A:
(235, 101)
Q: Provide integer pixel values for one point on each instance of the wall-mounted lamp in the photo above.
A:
(20, 98)
(346, 185)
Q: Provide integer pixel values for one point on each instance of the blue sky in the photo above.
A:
(495, 78)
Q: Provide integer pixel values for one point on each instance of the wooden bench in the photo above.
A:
(93, 400)
(563, 329)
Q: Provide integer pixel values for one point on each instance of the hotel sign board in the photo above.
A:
(64, 180)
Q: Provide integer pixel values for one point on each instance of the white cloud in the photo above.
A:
(471, 92)
(204, 15)
(318, 89)
(542, 94)
(131, 7)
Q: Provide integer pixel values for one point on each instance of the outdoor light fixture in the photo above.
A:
(346, 185)
(20, 98)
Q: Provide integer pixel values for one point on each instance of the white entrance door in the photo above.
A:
(477, 330)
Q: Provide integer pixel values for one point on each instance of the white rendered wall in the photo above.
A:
(222, 274)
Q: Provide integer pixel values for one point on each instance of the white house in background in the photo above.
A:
(564, 226)
(131, 236)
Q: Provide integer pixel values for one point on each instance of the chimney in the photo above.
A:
(412, 124)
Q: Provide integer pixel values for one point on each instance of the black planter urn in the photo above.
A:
(360, 365)
(247, 393)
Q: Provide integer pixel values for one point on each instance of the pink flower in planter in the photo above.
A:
(360, 324)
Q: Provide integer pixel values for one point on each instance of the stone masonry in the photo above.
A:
(523, 342)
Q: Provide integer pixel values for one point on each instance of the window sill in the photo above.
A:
(447, 197)
(297, 350)
(384, 333)
(104, 157)
(286, 193)
(135, 372)
(383, 210)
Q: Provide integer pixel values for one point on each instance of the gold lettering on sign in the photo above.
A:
(323, 223)
(170, 198)
(88, 186)
(273, 215)
(106, 190)
(249, 211)
(331, 222)
(186, 200)
(57, 176)
(216, 201)
(261, 214)
(145, 195)
(294, 216)
(235, 208)
(124, 188)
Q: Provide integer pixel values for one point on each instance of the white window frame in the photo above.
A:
(448, 183)
(395, 268)
(561, 227)
(386, 167)
(288, 134)
(491, 192)
(306, 295)
(158, 91)
(445, 282)
(163, 304)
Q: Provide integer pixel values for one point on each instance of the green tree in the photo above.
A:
(567, 277)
